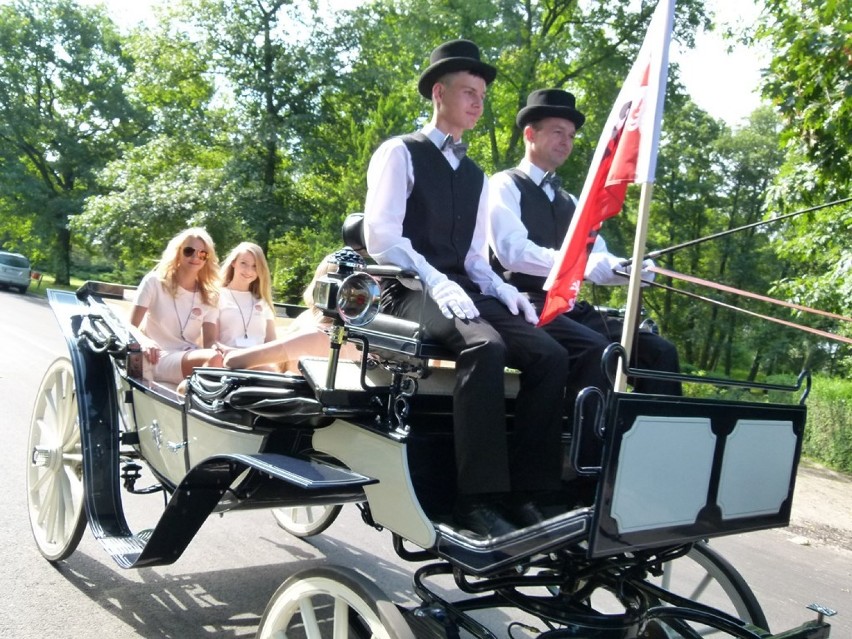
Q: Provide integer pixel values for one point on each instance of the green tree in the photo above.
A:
(809, 80)
(264, 53)
(63, 112)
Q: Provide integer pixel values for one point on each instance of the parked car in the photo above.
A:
(14, 271)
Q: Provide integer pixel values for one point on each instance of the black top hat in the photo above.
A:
(549, 103)
(456, 55)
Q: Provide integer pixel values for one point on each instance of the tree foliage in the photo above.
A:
(257, 119)
(809, 80)
(63, 112)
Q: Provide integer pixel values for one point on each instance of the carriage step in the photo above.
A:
(822, 611)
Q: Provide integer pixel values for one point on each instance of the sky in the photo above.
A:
(720, 82)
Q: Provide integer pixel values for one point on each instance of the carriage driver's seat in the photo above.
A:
(390, 336)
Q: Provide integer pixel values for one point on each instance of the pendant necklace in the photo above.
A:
(182, 327)
(243, 317)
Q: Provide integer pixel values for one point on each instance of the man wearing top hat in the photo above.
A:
(426, 211)
(529, 215)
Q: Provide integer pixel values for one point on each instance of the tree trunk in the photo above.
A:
(755, 366)
(63, 260)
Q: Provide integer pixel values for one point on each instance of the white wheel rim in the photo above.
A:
(302, 520)
(302, 598)
(55, 465)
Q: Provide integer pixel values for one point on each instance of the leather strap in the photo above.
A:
(762, 298)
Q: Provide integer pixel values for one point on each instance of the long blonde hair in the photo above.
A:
(208, 276)
(261, 287)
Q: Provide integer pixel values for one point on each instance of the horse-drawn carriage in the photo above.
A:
(625, 556)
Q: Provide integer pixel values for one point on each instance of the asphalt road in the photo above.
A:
(221, 584)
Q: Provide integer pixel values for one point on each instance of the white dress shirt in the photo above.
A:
(390, 179)
(510, 241)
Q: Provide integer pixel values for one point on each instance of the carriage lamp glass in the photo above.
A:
(358, 299)
(344, 264)
(325, 295)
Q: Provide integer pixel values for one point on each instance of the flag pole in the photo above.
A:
(634, 287)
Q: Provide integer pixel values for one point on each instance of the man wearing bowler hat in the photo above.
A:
(529, 216)
(426, 211)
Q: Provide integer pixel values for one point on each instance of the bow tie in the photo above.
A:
(459, 149)
(552, 179)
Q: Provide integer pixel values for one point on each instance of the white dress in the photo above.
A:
(174, 323)
(242, 318)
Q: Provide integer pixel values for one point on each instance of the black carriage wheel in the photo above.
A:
(329, 602)
(55, 465)
(306, 521)
(706, 577)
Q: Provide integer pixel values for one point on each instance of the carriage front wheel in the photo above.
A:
(329, 602)
(55, 465)
(705, 577)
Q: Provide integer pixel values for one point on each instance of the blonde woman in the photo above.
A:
(306, 337)
(246, 315)
(176, 309)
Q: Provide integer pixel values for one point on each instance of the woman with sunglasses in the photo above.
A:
(246, 317)
(176, 309)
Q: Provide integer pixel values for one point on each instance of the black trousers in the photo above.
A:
(649, 351)
(484, 347)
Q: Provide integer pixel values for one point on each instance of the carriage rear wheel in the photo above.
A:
(306, 521)
(327, 602)
(55, 465)
(706, 577)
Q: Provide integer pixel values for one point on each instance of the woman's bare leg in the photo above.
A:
(200, 357)
(254, 356)
(285, 352)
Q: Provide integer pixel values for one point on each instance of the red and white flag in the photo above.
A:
(626, 152)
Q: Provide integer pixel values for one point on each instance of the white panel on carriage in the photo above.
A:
(663, 473)
(393, 503)
(206, 440)
(160, 428)
(757, 468)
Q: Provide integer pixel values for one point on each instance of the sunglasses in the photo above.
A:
(189, 251)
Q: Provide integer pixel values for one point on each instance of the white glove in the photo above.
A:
(600, 267)
(453, 301)
(516, 301)
(645, 275)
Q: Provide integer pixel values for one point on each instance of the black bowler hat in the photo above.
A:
(549, 103)
(456, 55)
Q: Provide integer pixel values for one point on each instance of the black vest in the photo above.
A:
(546, 222)
(440, 214)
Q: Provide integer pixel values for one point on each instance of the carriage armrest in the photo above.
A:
(389, 333)
(384, 271)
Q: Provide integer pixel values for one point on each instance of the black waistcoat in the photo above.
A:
(546, 222)
(440, 214)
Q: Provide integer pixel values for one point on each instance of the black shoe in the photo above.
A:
(482, 518)
(525, 513)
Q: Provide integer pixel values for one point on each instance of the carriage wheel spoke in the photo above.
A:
(309, 619)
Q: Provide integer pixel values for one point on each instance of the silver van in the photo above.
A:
(14, 271)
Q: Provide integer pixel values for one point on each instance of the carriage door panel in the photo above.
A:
(162, 439)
